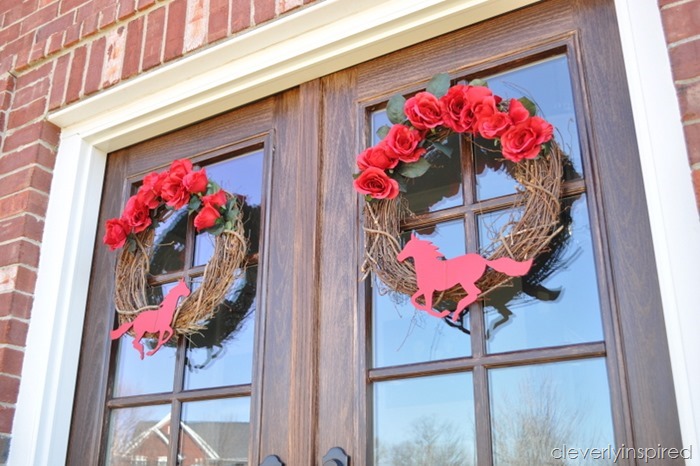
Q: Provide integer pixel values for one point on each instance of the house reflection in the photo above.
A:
(200, 444)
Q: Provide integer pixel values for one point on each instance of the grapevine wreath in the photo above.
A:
(421, 126)
(161, 195)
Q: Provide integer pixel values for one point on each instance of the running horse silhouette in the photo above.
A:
(435, 273)
(154, 321)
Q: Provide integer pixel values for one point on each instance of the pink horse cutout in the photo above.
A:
(434, 273)
(155, 321)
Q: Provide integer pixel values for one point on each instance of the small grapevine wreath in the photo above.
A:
(421, 125)
(161, 195)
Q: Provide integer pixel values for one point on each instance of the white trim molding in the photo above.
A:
(324, 37)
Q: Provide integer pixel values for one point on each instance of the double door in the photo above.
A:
(305, 354)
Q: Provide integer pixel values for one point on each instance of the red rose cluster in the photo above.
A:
(463, 108)
(174, 188)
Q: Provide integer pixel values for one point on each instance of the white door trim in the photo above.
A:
(325, 37)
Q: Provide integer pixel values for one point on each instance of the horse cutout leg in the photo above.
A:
(428, 306)
(472, 293)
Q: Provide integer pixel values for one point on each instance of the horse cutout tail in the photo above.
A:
(510, 267)
(121, 330)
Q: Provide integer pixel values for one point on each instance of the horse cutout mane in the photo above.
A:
(435, 273)
(154, 321)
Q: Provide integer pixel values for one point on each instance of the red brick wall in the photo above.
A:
(54, 52)
(681, 21)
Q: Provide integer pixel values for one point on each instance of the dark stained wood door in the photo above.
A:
(336, 363)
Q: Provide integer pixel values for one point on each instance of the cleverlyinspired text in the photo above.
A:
(621, 453)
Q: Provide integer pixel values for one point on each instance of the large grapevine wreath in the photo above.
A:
(421, 125)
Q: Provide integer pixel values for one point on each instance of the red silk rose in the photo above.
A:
(423, 111)
(378, 156)
(174, 193)
(377, 184)
(463, 104)
(207, 217)
(524, 140)
(218, 199)
(137, 215)
(517, 111)
(494, 126)
(116, 232)
(404, 141)
(196, 182)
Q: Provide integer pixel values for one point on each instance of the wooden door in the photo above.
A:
(573, 358)
(327, 359)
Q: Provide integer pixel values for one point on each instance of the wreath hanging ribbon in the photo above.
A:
(215, 211)
(422, 124)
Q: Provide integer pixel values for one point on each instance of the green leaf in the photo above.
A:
(529, 105)
(479, 82)
(217, 229)
(439, 85)
(195, 203)
(131, 244)
(414, 169)
(445, 149)
(231, 215)
(228, 226)
(383, 131)
(212, 188)
(394, 109)
(403, 186)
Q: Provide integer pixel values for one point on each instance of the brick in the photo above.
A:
(55, 42)
(34, 75)
(108, 16)
(76, 74)
(40, 17)
(21, 116)
(34, 154)
(9, 388)
(692, 139)
(287, 5)
(38, 52)
(7, 414)
(59, 81)
(24, 202)
(143, 4)
(155, 29)
(23, 47)
(21, 10)
(116, 42)
(59, 24)
(240, 15)
(13, 332)
(67, 5)
(126, 8)
(684, 60)
(132, 55)
(9, 34)
(196, 24)
(689, 101)
(264, 11)
(21, 226)
(696, 184)
(16, 304)
(175, 30)
(89, 26)
(25, 280)
(11, 361)
(72, 35)
(218, 20)
(32, 92)
(19, 252)
(93, 75)
(41, 130)
(30, 177)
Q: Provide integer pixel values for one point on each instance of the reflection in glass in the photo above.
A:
(425, 421)
(548, 84)
(222, 353)
(242, 176)
(169, 243)
(153, 374)
(441, 186)
(401, 334)
(557, 303)
(139, 436)
(215, 432)
(535, 409)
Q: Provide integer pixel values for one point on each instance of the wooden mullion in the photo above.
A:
(518, 358)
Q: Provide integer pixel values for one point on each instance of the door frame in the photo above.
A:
(42, 419)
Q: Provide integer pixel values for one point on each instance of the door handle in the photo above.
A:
(272, 460)
(336, 456)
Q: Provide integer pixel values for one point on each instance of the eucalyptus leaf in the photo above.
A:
(439, 85)
(414, 169)
(231, 214)
(403, 186)
(195, 203)
(479, 82)
(394, 109)
(212, 188)
(383, 131)
(529, 105)
(217, 229)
